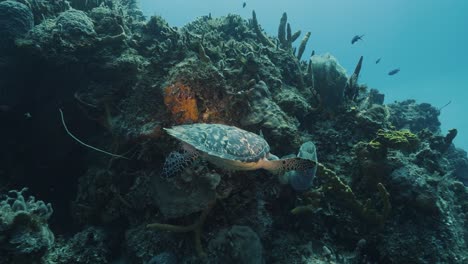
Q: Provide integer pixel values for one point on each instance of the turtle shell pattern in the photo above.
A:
(227, 142)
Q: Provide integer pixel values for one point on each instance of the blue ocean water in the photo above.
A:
(426, 39)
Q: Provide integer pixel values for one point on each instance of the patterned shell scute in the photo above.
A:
(222, 141)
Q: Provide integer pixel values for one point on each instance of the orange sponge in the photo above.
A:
(181, 102)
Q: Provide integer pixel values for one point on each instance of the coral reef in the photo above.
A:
(386, 173)
(415, 117)
(24, 233)
(16, 19)
(92, 245)
(237, 243)
(267, 115)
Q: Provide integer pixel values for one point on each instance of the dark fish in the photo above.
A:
(377, 61)
(244, 4)
(394, 71)
(356, 38)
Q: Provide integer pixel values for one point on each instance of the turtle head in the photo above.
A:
(301, 179)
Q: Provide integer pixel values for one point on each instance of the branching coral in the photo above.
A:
(181, 102)
(261, 36)
(303, 45)
(285, 36)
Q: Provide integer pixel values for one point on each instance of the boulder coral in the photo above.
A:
(15, 20)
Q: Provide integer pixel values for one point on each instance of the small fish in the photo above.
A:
(394, 71)
(377, 61)
(356, 38)
(244, 4)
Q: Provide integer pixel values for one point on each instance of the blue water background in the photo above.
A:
(426, 39)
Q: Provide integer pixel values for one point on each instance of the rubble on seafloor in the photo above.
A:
(390, 188)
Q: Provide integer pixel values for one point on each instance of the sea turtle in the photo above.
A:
(227, 147)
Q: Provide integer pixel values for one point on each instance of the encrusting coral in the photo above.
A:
(395, 139)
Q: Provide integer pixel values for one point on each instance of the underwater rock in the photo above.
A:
(292, 102)
(460, 165)
(143, 245)
(412, 184)
(290, 70)
(415, 117)
(374, 118)
(92, 245)
(238, 244)
(60, 37)
(43, 10)
(163, 258)
(106, 21)
(267, 116)
(75, 24)
(376, 97)
(94, 202)
(193, 194)
(24, 232)
(330, 81)
(15, 20)
(429, 212)
(86, 5)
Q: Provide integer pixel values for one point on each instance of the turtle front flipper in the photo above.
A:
(291, 164)
(177, 161)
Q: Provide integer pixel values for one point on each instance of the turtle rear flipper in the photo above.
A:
(177, 161)
(291, 164)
